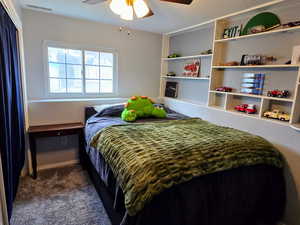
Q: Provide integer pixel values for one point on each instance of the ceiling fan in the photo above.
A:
(128, 8)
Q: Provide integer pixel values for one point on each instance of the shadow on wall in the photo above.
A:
(292, 216)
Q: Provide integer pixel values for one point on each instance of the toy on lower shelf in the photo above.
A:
(224, 89)
(277, 114)
(278, 93)
(247, 108)
(171, 74)
(174, 55)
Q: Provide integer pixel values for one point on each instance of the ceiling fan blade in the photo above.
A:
(92, 2)
(150, 13)
(186, 2)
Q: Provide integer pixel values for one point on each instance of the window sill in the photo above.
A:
(77, 100)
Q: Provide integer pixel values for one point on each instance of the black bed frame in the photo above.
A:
(102, 191)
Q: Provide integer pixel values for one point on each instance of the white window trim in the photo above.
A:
(56, 44)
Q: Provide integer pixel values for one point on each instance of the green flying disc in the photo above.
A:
(267, 19)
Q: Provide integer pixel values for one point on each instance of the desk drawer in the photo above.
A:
(57, 133)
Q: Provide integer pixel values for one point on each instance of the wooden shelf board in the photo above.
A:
(219, 92)
(243, 114)
(281, 30)
(187, 78)
(254, 96)
(295, 126)
(258, 66)
(275, 121)
(185, 101)
(221, 108)
(187, 57)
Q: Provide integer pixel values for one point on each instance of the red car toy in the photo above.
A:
(278, 93)
(249, 109)
(224, 89)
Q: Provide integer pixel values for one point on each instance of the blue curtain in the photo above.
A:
(12, 147)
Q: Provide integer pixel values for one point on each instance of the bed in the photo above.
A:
(245, 195)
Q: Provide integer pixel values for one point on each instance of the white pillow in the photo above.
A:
(99, 108)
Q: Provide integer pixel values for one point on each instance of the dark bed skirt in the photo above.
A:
(219, 201)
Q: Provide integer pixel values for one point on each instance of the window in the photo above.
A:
(80, 72)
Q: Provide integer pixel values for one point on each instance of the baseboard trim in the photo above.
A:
(58, 165)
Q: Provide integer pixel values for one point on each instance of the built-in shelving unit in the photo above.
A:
(278, 42)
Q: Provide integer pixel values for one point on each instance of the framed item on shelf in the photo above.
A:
(233, 31)
(191, 69)
(296, 55)
(171, 89)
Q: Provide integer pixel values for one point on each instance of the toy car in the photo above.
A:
(225, 89)
(249, 109)
(278, 93)
(276, 114)
(241, 108)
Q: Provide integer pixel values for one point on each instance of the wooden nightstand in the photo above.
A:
(52, 131)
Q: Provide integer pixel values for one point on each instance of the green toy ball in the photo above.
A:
(141, 107)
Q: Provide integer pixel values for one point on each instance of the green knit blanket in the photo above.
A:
(148, 158)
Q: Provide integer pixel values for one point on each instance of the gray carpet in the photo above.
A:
(62, 196)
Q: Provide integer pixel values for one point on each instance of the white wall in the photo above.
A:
(282, 136)
(139, 70)
(138, 53)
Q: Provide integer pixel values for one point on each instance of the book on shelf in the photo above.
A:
(253, 83)
(171, 89)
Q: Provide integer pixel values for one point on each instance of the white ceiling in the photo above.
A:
(168, 16)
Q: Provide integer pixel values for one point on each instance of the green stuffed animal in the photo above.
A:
(140, 107)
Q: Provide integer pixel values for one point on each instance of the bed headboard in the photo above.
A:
(88, 112)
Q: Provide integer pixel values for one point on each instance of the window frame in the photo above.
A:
(82, 48)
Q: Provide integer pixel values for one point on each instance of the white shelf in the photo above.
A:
(187, 57)
(275, 121)
(186, 101)
(243, 114)
(220, 108)
(254, 96)
(295, 126)
(186, 78)
(281, 30)
(258, 66)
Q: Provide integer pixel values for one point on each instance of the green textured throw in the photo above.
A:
(148, 158)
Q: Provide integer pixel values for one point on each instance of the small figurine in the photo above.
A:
(291, 24)
(171, 74)
(278, 93)
(276, 114)
(174, 55)
(224, 89)
(207, 52)
(247, 108)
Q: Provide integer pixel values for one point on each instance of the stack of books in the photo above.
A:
(253, 83)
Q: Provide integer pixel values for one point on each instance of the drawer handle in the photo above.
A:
(58, 133)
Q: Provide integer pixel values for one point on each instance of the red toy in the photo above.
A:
(224, 89)
(241, 108)
(249, 109)
(278, 93)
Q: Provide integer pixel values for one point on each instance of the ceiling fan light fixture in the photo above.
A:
(140, 8)
(127, 13)
(118, 6)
